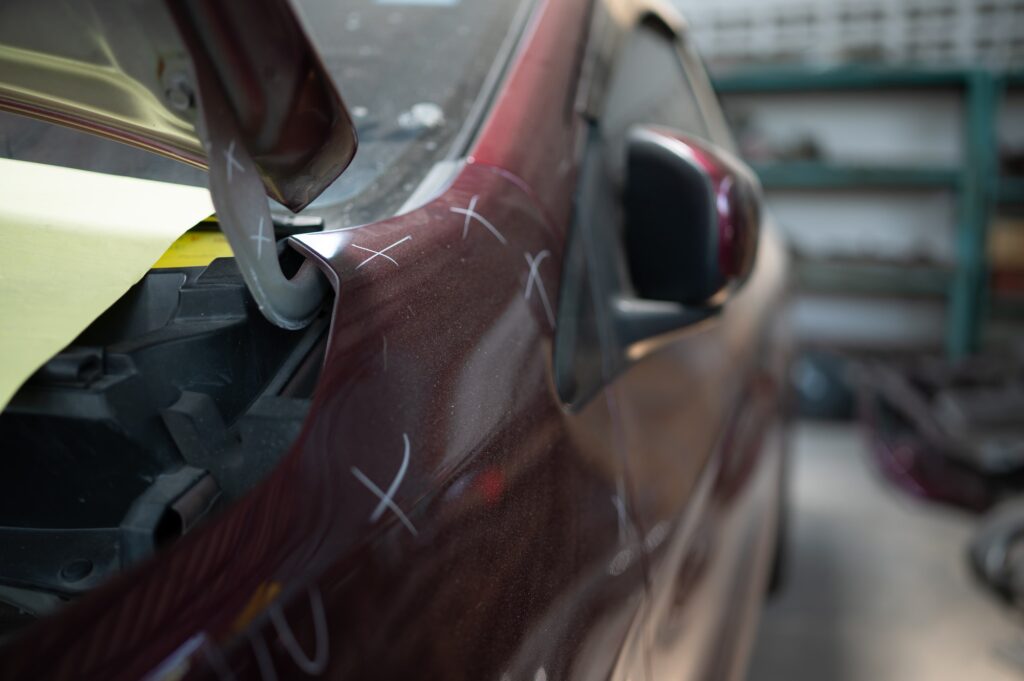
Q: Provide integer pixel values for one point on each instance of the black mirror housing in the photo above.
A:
(693, 216)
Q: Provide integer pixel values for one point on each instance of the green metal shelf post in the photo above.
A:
(977, 194)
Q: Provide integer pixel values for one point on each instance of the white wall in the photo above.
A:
(833, 31)
(900, 128)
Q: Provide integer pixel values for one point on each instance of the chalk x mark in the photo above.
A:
(471, 214)
(316, 665)
(620, 510)
(229, 157)
(215, 659)
(387, 499)
(263, 660)
(381, 253)
(259, 238)
(534, 263)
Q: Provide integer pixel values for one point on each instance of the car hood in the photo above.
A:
(130, 71)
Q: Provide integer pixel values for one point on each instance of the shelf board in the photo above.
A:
(849, 77)
(818, 175)
(797, 78)
(873, 278)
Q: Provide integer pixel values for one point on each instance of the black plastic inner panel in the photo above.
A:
(178, 399)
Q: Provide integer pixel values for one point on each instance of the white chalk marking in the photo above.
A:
(620, 510)
(259, 238)
(263, 660)
(229, 156)
(471, 214)
(541, 675)
(387, 499)
(380, 253)
(534, 263)
(215, 658)
(316, 665)
(656, 536)
(178, 662)
(620, 562)
(370, 250)
(379, 511)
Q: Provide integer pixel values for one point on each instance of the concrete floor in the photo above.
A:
(877, 586)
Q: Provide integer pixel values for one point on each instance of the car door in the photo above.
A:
(473, 494)
(442, 514)
(698, 405)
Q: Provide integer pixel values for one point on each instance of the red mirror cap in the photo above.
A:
(737, 195)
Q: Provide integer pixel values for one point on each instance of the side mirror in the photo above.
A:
(693, 216)
(688, 219)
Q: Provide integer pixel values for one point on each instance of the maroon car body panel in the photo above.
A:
(443, 515)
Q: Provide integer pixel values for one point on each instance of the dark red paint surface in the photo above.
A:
(627, 539)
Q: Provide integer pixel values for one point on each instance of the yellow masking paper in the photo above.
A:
(71, 243)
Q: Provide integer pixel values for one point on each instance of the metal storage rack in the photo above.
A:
(977, 182)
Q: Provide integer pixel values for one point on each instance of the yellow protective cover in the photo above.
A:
(71, 243)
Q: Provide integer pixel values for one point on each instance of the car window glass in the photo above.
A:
(410, 73)
(707, 99)
(648, 86)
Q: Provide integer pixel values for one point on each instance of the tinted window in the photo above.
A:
(648, 85)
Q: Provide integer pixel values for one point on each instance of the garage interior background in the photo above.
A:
(889, 137)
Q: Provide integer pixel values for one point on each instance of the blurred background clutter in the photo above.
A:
(889, 138)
